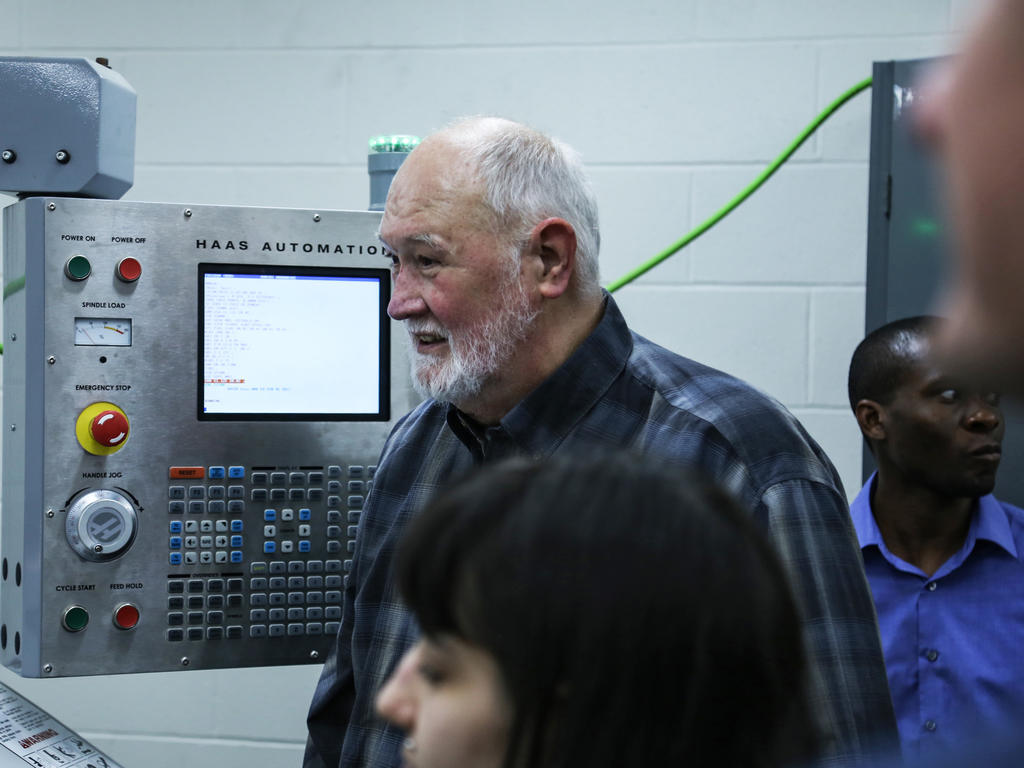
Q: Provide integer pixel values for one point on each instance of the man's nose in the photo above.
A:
(406, 300)
(396, 700)
(982, 416)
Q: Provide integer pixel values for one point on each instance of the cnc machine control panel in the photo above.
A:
(194, 402)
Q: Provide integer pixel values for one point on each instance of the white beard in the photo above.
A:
(474, 355)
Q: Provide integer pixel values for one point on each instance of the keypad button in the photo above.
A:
(176, 586)
(305, 514)
(355, 501)
(260, 494)
(236, 473)
(332, 612)
(333, 547)
(277, 598)
(296, 582)
(334, 471)
(235, 601)
(216, 473)
(197, 491)
(355, 471)
(216, 507)
(314, 628)
(296, 566)
(258, 630)
(174, 542)
(297, 478)
(215, 585)
(206, 526)
(214, 633)
(176, 492)
(277, 630)
(215, 617)
(236, 507)
(278, 582)
(234, 632)
(195, 586)
(258, 583)
(176, 603)
(215, 601)
(195, 617)
(195, 601)
(176, 507)
(296, 630)
(236, 556)
(296, 614)
(277, 614)
(237, 526)
(235, 585)
(220, 556)
(175, 619)
(333, 566)
(333, 531)
(334, 516)
(278, 478)
(278, 494)
(334, 486)
(206, 558)
(315, 566)
(332, 581)
(305, 546)
(316, 478)
(355, 486)
(257, 599)
(278, 566)
(236, 491)
(175, 635)
(259, 478)
(287, 546)
(196, 507)
(287, 515)
(315, 613)
(314, 597)
(195, 633)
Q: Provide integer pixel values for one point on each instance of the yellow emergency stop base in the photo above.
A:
(85, 438)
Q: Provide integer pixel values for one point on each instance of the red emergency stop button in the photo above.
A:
(129, 270)
(126, 616)
(109, 428)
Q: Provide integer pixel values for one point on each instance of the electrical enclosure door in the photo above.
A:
(908, 237)
(194, 402)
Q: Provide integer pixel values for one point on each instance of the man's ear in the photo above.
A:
(552, 249)
(871, 418)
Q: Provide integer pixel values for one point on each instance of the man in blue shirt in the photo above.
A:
(491, 230)
(945, 558)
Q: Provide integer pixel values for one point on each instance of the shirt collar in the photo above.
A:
(539, 423)
(989, 523)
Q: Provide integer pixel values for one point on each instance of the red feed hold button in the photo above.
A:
(129, 270)
(126, 616)
(109, 428)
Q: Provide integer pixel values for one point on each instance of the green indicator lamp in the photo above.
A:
(925, 227)
(396, 143)
(387, 153)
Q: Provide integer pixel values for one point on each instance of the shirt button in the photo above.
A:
(931, 588)
(930, 725)
(932, 655)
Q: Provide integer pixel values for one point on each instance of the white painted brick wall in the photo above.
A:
(675, 106)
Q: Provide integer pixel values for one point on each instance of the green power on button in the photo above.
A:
(77, 267)
(75, 618)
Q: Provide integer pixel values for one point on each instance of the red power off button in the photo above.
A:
(126, 616)
(129, 270)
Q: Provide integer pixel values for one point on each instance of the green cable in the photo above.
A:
(750, 189)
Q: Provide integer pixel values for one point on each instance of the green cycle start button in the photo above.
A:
(75, 618)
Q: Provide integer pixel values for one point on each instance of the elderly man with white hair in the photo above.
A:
(491, 229)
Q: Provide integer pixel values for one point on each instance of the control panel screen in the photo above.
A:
(293, 343)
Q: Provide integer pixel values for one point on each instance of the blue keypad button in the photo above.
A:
(270, 515)
(237, 525)
(175, 526)
(269, 546)
(236, 472)
(236, 556)
(175, 558)
(305, 514)
(175, 542)
(216, 473)
(236, 541)
(304, 546)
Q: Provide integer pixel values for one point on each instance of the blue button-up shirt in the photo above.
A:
(619, 390)
(954, 641)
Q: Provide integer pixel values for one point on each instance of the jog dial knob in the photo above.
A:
(101, 525)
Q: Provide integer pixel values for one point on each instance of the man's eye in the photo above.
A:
(426, 261)
(949, 395)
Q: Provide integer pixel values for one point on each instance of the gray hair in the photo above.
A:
(527, 177)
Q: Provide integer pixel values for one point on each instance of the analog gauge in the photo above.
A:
(103, 332)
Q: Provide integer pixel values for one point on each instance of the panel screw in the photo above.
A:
(48, 668)
(49, 513)
(51, 359)
(8, 156)
(51, 207)
(14, 428)
(316, 217)
(14, 337)
(188, 213)
(314, 654)
(63, 156)
(98, 548)
(185, 661)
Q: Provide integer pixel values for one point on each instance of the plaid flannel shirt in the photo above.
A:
(619, 390)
